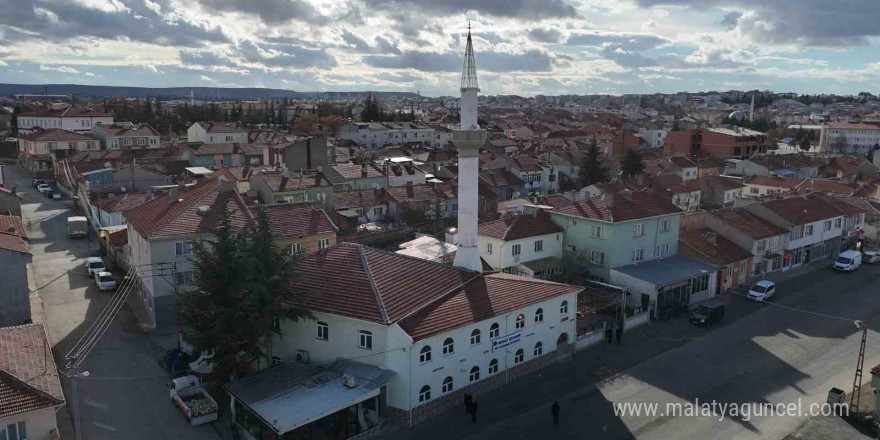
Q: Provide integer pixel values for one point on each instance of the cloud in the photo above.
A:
(730, 19)
(530, 10)
(203, 58)
(360, 45)
(530, 61)
(807, 22)
(545, 35)
(284, 55)
(62, 69)
(61, 21)
(626, 58)
(270, 11)
(626, 40)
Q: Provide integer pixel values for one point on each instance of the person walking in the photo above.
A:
(554, 409)
(468, 401)
(474, 410)
(619, 334)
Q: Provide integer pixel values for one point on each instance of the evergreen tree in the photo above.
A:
(592, 170)
(633, 163)
(241, 279)
(805, 144)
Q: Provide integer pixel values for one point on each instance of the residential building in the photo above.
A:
(617, 229)
(32, 393)
(525, 243)
(738, 143)
(287, 187)
(404, 173)
(653, 138)
(38, 148)
(357, 207)
(210, 132)
(765, 241)
(685, 194)
(303, 152)
(241, 175)
(853, 219)
(380, 134)
(428, 248)
(62, 116)
(734, 263)
(759, 185)
(814, 227)
(505, 184)
(215, 155)
(566, 163)
(432, 201)
(107, 208)
(666, 286)
(10, 201)
(535, 177)
(126, 136)
(299, 227)
(720, 191)
(15, 256)
(793, 166)
(680, 166)
(844, 137)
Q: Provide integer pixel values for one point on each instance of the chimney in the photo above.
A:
(711, 237)
(627, 194)
(173, 195)
(364, 169)
(608, 199)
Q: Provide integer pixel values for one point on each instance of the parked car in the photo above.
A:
(848, 261)
(95, 265)
(762, 290)
(871, 257)
(37, 182)
(44, 188)
(707, 314)
(105, 281)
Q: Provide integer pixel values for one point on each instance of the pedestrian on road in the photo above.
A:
(474, 410)
(468, 401)
(555, 410)
(619, 334)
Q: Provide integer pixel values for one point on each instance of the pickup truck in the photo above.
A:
(198, 406)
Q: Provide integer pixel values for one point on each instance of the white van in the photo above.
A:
(848, 261)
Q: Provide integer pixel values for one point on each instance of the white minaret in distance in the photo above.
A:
(468, 140)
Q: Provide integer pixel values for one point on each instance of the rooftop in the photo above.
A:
(221, 127)
(802, 210)
(621, 207)
(28, 378)
(295, 220)
(56, 134)
(520, 226)
(665, 271)
(750, 224)
(712, 247)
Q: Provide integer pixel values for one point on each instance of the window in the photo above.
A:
(638, 254)
(154, 141)
(366, 339)
(295, 248)
(228, 138)
(323, 243)
(520, 321)
(797, 232)
(597, 257)
(762, 245)
(475, 337)
(494, 330)
(597, 231)
(827, 225)
(448, 346)
(183, 248)
(323, 331)
(539, 315)
(447, 385)
(539, 349)
(518, 357)
(90, 145)
(539, 245)
(808, 231)
(754, 190)
(14, 431)
(488, 248)
(425, 354)
(563, 308)
(666, 225)
(742, 266)
(425, 394)
(185, 278)
(475, 373)
(493, 366)
(661, 250)
(379, 210)
(126, 141)
(516, 249)
(837, 223)
(639, 230)
(142, 141)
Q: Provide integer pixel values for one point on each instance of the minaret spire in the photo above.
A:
(469, 69)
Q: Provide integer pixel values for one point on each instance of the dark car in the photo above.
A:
(706, 314)
(37, 182)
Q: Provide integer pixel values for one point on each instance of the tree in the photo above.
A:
(805, 144)
(305, 123)
(633, 163)
(242, 278)
(372, 110)
(592, 170)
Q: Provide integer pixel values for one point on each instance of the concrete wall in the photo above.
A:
(9, 203)
(39, 424)
(308, 154)
(15, 305)
(343, 340)
(502, 256)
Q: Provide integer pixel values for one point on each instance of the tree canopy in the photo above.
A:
(633, 163)
(592, 170)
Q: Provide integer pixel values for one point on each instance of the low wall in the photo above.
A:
(590, 339)
(636, 320)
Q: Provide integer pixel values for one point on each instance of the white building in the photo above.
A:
(209, 132)
(62, 116)
(525, 243)
(653, 138)
(380, 134)
(844, 137)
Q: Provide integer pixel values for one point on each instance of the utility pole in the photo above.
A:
(857, 380)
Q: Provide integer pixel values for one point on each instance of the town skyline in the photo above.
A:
(525, 48)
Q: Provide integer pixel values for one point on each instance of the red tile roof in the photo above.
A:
(802, 210)
(851, 126)
(297, 181)
(221, 127)
(750, 224)
(13, 243)
(28, 378)
(554, 200)
(56, 134)
(499, 177)
(360, 282)
(355, 171)
(520, 226)
(619, 208)
(67, 112)
(722, 252)
(776, 182)
(295, 220)
(13, 225)
(130, 130)
(123, 202)
(364, 198)
(845, 207)
(164, 217)
(421, 193)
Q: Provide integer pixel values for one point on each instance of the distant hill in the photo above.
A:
(204, 93)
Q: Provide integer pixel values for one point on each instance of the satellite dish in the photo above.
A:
(122, 189)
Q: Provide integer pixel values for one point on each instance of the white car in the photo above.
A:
(762, 290)
(43, 188)
(105, 281)
(871, 257)
(95, 265)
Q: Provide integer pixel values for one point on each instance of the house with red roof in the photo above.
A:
(527, 243)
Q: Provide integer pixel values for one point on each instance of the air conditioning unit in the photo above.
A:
(302, 356)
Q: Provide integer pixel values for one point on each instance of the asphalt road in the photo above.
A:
(124, 396)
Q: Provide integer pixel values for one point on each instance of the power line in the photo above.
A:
(823, 315)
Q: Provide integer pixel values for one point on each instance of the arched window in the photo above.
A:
(494, 330)
(518, 357)
(539, 315)
(520, 321)
(425, 354)
(475, 373)
(539, 349)
(493, 366)
(425, 394)
(448, 346)
(447, 385)
(563, 308)
(475, 337)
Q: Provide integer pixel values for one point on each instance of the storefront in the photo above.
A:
(667, 285)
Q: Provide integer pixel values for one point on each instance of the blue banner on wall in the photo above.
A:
(506, 340)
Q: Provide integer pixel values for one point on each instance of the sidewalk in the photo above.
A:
(532, 395)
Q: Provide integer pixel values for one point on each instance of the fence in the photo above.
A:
(592, 338)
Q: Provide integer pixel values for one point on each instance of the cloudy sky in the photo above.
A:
(523, 47)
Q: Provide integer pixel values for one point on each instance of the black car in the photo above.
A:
(706, 314)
